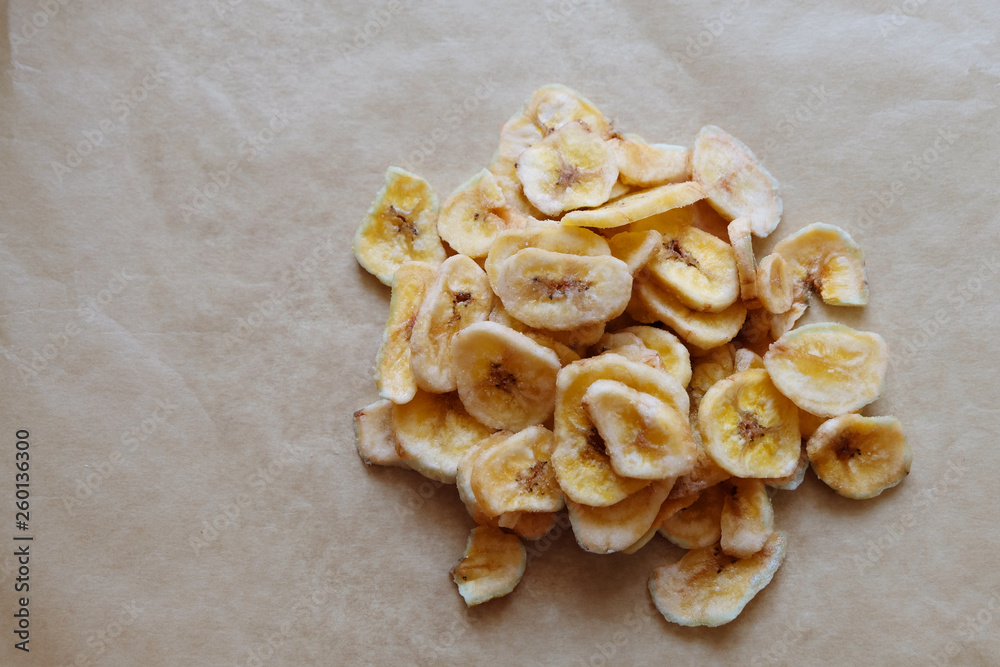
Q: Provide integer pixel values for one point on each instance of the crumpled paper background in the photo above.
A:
(185, 333)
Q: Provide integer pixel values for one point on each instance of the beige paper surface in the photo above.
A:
(185, 333)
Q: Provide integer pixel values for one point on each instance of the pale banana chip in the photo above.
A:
(459, 296)
(475, 214)
(794, 480)
(572, 167)
(709, 367)
(826, 259)
(746, 359)
(775, 287)
(505, 379)
(705, 330)
(644, 437)
(736, 184)
(674, 357)
(637, 205)
(860, 457)
(376, 440)
(829, 369)
(708, 587)
(699, 524)
(699, 269)
(647, 165)
(747, 517)
(515, 474)
(748, 427)
(635, 248)
(393, 373)
(400, 226)
(617, 527)
(784, 322)
(746, 267)
(568, 345)
(432, 433)
(667, 510)
(581, 460)
(552, 290)
(463, 476)
(546, 236)
(492, 566)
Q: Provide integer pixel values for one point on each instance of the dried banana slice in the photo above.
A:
(793, 481)
(400, 226)
(553, 290)
(700, 523)
(492, 566)
(515, 474)
(647, 165)
(635, 248)
(505, 379)
(860, 457)
(714, 365)
(534, 525)
(699, 269)
(393, 373)
(782, 323)
(736, 184)
(460, 296)
(747, 517)
(748, 427)
(826, 259)
(570, 168)
(432, 433)
(808, 423)
(376, 440)
(775, 287)
(644, 437)
(829, 369)
(746, 267)
(746, 359)
(637, 205)
(581, 460)
(708, 587)
(475, 214)
(705, 330)
(667, 510)
(617, 527)
(463, 476)
(674, 357)
(546, 236)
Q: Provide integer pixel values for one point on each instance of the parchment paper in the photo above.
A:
(185, 333)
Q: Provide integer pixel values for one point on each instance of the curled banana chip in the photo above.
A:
(647, 165)
(674, 357)
(736, 184)
(699, 524)
(709, 587)
(492, 566)
(829, 369)
(746, 359)
(699, 269)
(826, 259)
(553, 290)
(637, 205)
(705, 330)
(475, 214)
(505, 379)
(860, 457)
(376, 440)
(572, 167)
(794, 480)
(774, 284)
(545, 236)
(514, 474)
(400, 226)
(742, 241)
(668, 509)
(747, 517)
(617, 527)
(635, 248)
(459, 296)
(748, 427)
(393, 372)
(432, 433)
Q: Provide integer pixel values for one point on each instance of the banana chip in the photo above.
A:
(635, 248)
(432, 433)
(699, 524)
(748, 427)
(860, 457)
(648, 165)
(829, 369)
(709, 587)
(794, 480)
(637, 205)
(826, 259)
(376, 440)
(674, 357)
(746, 267)
(514, 474)
(736, 184)
(492, 566)
(746, 359)
(393, 372)
(667, 510)
(505, 379)
(747, 517)
(545, 236)
(400, 226)
(705, 330)
(699, 269)
(618, 527)
(459, 296)
(774, 284)
(475, 214)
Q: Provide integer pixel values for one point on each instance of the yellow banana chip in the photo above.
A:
(826, 259)
(545, 236)
(393, 373)
(705, 330)
(647, 165)
(400, 226)
(674, 357)
(746, 265)
(635, 248)
(747, 517)
(860, 457)
(637, 205)
(774, 284)
(617, 527)
(699, 269)
(492, 566)
(515, 474)
(475, 214)
(699, 524)
(709, 587)
(376, 440)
